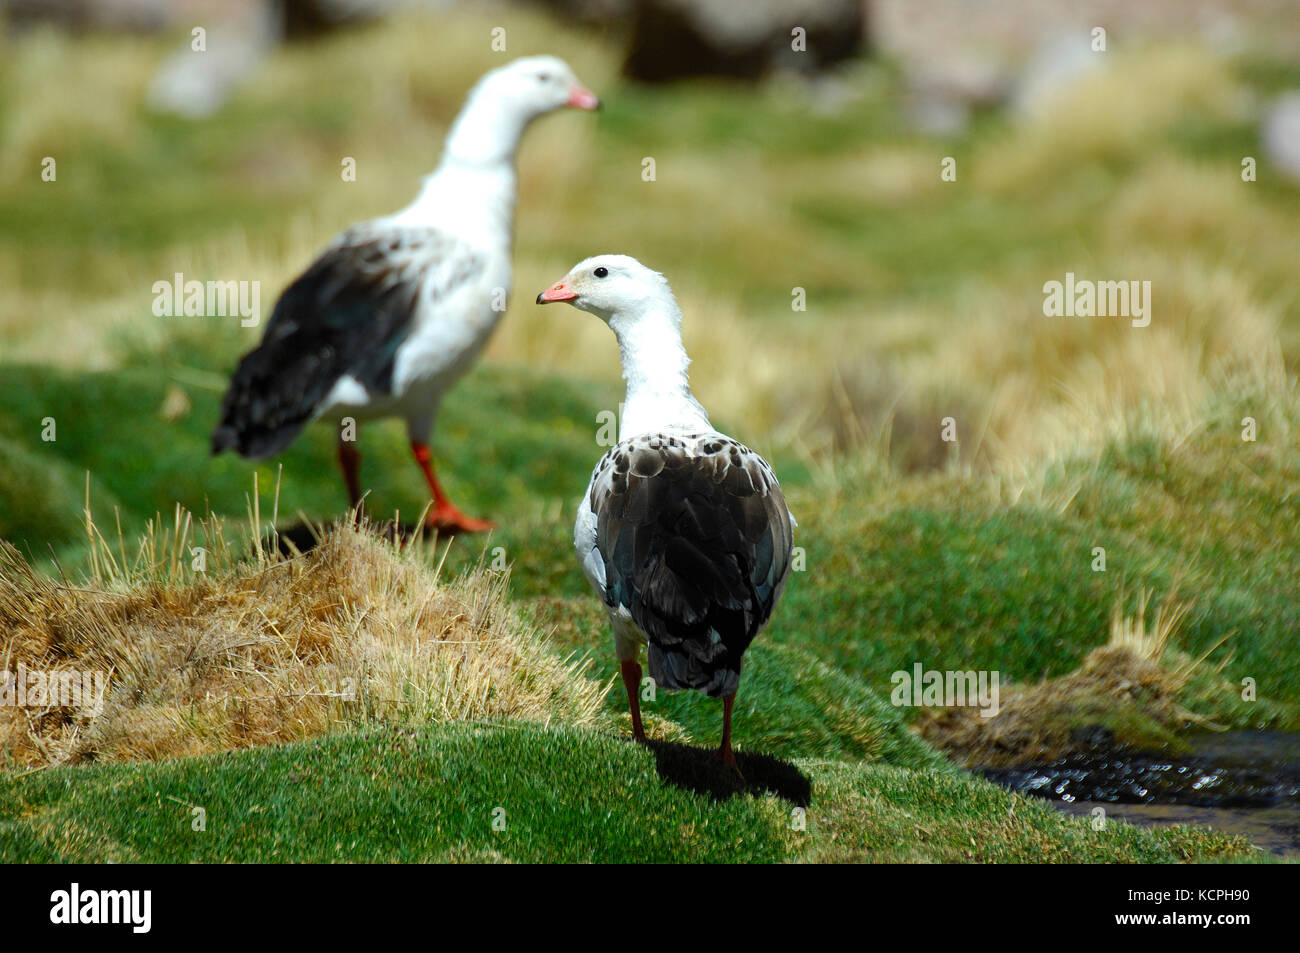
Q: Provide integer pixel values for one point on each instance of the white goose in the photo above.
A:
(395, 311)
(683, 531)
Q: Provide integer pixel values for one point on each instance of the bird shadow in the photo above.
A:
(303, 538)
(700, 771)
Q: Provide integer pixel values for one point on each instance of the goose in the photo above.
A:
(683, 531)
(398, 308)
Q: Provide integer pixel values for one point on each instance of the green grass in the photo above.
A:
(564, 796)
(535, 446)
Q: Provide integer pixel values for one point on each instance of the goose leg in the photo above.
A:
(632, 682)
(444, 515)
(725, 754)
(350, 462)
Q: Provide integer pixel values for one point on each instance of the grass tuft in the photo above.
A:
(250, 652)
(1130, 691)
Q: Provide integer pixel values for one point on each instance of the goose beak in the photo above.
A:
(580, 97)
(560, 291)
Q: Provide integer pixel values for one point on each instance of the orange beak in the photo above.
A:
(560, 291)
(580, 97)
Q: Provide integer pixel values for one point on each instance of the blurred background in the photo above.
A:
(798, 152)
(776, 169)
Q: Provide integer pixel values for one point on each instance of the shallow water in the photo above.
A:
(1273, 829)
(1245, 783)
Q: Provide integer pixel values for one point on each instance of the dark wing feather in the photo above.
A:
(696, 542)
(346, 314)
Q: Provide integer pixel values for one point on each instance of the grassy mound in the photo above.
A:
(523, 792)
(270, 650)
(1133, 690)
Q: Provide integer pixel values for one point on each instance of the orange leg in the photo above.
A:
(350, 461)
(444, 515)
(632, 682)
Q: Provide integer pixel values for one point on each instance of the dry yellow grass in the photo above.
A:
(1110, 113)
(270, 650)
(1046, 386)
(1133, 684)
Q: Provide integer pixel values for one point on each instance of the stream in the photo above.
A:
(1241, 782)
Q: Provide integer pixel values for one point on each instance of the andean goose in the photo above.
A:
(683, 531)
(398, 308)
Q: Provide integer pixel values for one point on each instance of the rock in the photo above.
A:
(937, 116)
(305, 18)
(1280, 135)
(675, 39)
(195, 84)
(591, 12)
(1058, 62)
(79, 15)
(942, 93)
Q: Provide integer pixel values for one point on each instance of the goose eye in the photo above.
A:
(543, 77)
(601, 272)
